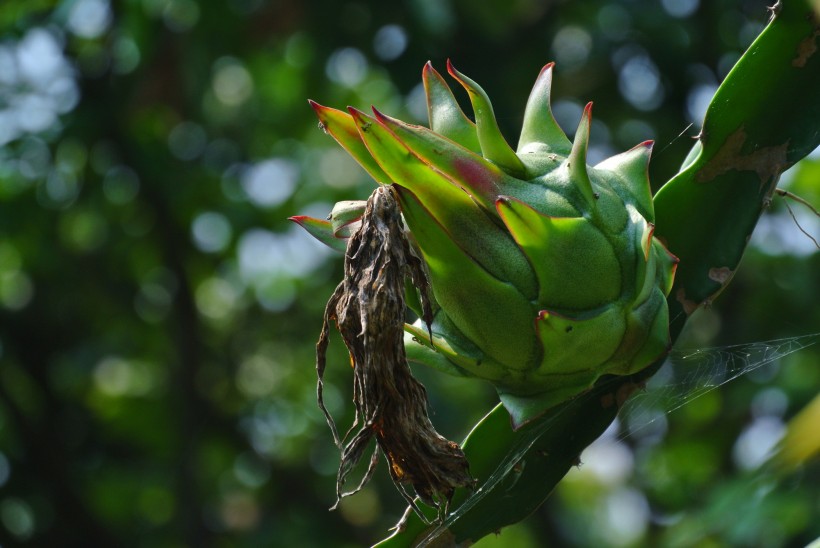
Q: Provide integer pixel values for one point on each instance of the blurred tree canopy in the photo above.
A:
(158, 312)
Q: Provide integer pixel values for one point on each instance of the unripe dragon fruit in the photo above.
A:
(544, 270)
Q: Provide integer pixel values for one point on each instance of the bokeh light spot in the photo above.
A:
(614, 21)
(125, 55)
(120, 185)
(216, 298)
(571, 47)
(680, 8)
(626, 516)
(211, 232)
(390, 42)
(187, 140)
(115, 376)
(362, 511)
(17, 517)
(270, 182)
(251, 471)
(89, 18)
(257, 376)
(232, 83)
(639, 82)
(755, 444)
(338, 169)
(697, 101)
(180, 15)
(83, 230)
(347, 67)
(16, 289)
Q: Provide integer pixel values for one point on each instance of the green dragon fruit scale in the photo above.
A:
(544, 270)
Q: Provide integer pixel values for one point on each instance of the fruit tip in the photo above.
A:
(317, 108)
(452, 70)
(383, 118)
(356, 113)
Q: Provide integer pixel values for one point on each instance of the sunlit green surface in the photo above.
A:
(158, 313)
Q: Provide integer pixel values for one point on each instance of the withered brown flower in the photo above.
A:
(368, 307)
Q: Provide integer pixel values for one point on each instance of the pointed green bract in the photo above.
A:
(345, 217)
(482, 179)
(566, 341)
(493, 145)
(341, 127)
(479, 236)
(540, 132)
(575, 264)
(577, 160)
(632, 170)
(446, 117)
(321, 230)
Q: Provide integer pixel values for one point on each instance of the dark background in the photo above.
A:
(158, 312)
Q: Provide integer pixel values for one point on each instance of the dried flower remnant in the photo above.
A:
(391, 406)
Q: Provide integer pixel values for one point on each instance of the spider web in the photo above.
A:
(686, 375)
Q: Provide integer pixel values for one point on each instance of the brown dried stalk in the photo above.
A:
(391, 406)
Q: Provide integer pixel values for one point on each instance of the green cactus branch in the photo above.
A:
(763, 119)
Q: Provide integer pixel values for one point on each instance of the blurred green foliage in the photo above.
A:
(158, 313)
